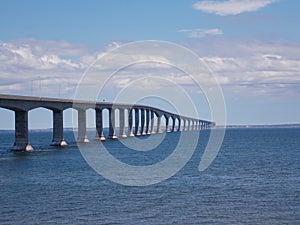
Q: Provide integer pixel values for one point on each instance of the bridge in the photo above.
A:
(144, 117)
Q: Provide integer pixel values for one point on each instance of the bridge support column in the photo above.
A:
(112, 134)
(184, 125)
(130, 132)
(147, 131)
(173, 125)
(21, 132)
(143, 122)
(137, 122)
(167, 125)
(99, 125)
(158, 125)
(179, 125)
(58, 129)
(152, 131)
(82, 127)
(122, 123)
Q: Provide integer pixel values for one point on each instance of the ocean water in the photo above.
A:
(255, 179)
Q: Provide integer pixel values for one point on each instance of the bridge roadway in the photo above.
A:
(144, 117)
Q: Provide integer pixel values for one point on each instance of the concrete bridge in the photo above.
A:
(144, 117)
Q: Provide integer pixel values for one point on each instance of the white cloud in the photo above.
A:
(40, 67)
(199, 33)
(257, 73)
(43, 68)
(231, 7)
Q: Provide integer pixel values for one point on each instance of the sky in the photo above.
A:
(252, 48)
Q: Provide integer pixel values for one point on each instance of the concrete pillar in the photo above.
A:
(130, 132)
(173, 125)
(159, 131)
(21, 132)
(179, 124)
(58, 129)
(143, 122)
(122, 123)
(99, 125)
(137, 121)
(167, 125)
(184, 125)
(82, 126)
(148, 131)
(111, 134)
(152, 131)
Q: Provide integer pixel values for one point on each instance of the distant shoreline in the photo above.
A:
(262, 126)
(227, 127)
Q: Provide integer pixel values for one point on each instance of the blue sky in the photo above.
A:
(252, 47)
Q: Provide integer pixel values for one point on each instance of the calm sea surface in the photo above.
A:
(255, 179)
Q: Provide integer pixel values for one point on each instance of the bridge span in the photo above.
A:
(144, 118)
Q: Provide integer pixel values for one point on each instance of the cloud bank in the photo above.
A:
(53, 69)
(231, 7)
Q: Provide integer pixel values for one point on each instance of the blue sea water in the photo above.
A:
(255, 179)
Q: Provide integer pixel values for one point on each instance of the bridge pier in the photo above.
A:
(147, 129)
(99, 125)
(130, 130)
(173, 124)
(111, 133)
(137, 123)
(179, 125)
(21, 132)
(58, 130)
(82, 126)
(167, 125)
(158, 125)
(152, 131)
(143, 122)
(122, 123)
